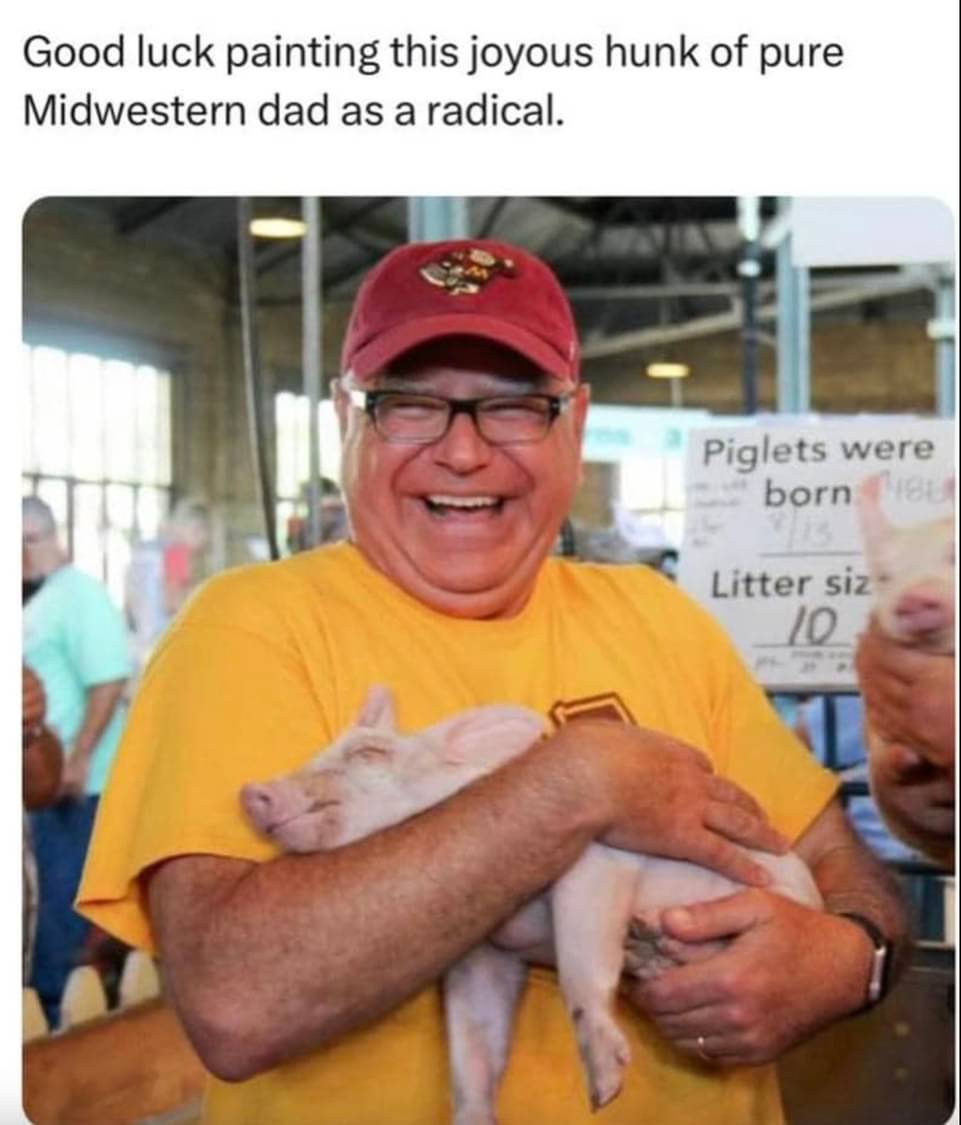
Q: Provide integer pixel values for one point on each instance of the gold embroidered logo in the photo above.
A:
(608, 705)
(466, 271)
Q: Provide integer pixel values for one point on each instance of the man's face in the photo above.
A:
(39, 551)
(479, 561)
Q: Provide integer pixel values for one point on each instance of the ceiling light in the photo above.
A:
(276, 227)
(663, 370)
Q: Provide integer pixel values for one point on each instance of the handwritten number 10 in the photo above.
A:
(813, 628)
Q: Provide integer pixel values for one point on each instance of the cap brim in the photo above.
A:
(375, 356)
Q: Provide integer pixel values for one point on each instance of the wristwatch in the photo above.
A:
(880, 977)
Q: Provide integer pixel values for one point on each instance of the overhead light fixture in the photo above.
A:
(277, 227)
(663, 370)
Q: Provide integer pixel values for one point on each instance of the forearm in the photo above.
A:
(102, 700)
(324, 943)
(852, 879)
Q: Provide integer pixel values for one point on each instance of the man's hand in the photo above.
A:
(73, 781)
(664, 800)
(916, 799)
(787, 970)
(908, 695)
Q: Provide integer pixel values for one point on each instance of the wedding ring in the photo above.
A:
(700, 1050)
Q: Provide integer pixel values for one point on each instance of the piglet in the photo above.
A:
(912, 571)
(602, 915)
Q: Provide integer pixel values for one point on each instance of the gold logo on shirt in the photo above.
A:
(608, 705)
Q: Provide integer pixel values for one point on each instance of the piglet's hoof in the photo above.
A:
(604, 1053)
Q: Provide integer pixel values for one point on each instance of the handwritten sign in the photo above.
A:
(772, 545)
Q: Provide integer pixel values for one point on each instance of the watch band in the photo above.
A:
(880, 977)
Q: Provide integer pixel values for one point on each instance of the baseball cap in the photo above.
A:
(425, 290)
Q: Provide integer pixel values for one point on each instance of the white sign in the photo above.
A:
(771, 540)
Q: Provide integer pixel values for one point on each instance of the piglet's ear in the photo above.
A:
(377, 710)
(874, 524)
(489, 734)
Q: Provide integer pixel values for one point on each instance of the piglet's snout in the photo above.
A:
(923, 610)
(270, 804)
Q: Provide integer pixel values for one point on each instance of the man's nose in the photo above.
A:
(462, 448)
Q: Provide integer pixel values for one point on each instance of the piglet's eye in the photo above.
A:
(369, 755)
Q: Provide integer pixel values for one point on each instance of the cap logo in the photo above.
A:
(466, 271)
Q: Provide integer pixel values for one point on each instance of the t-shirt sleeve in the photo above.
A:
(227, 699)
(96, 637)
(749, 743)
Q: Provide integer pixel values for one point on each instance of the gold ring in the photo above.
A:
(700, 1050)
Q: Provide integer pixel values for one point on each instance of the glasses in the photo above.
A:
(413, 419)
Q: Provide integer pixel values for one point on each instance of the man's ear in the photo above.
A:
(582, 399)
(377, 710)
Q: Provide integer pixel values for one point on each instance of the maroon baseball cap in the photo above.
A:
(425, 290)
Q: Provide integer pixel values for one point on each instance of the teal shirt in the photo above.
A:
(74, 639)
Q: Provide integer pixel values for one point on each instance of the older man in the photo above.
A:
(75, 642)
(307, 982)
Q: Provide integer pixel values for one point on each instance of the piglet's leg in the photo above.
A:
(591, 905)
(480, 995)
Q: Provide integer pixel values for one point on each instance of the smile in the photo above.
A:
(443, 505)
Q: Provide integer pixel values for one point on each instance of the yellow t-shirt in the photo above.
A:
(269, 663)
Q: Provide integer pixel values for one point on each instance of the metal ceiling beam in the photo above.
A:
(146, 211)
(905, 282)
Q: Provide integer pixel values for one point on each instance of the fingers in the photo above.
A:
(720, 918)
(728, 859)
(743, 827)
(721, 789)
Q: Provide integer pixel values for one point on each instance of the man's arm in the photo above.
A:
(102, 700)
(788, 970)
(264, 961)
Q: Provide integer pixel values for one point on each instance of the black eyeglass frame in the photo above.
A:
(368, 400)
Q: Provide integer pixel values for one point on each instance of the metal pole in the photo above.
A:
(793, 330)
(434, 217)
(248, 319)
(749, 268)
(942, 331)
(312, 331)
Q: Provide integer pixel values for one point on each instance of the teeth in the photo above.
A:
(464, 501)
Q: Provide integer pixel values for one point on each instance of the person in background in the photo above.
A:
(42, 769)
(75, 643)
(910, 699)
(162, 573)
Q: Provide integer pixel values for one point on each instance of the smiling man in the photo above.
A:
(308, 983)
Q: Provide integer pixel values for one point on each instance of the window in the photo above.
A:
(96, 448)
(652, 489)
(292, 419)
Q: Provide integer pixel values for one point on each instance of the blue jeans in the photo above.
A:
(61, 834)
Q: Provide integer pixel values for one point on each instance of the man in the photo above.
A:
(74, 641)
(909, 697)
(308, 983)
